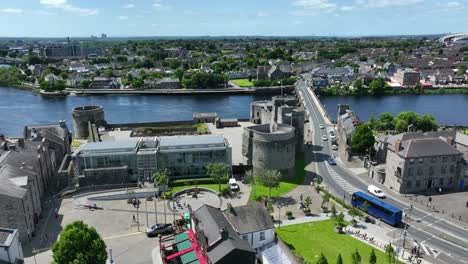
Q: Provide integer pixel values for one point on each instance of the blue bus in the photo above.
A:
(377, 208)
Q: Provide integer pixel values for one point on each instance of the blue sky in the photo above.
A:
(58, 18)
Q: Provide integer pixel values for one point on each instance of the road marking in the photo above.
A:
(425, 249)
(124, 235)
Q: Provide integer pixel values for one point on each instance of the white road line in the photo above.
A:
(425, 250)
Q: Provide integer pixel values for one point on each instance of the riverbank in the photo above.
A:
(445, 90)
(256, 90)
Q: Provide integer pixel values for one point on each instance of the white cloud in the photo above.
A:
(122, 17)
(262, 14)
(386, 3)
(12, 10)
(314, 6)
(64, 5)
(129, 6)
(159, 5)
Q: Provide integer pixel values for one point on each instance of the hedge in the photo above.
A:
(188, 182)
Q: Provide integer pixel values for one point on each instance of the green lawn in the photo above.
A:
(285, 186)
(310, 239)
(243, 82)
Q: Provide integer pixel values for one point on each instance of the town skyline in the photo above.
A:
(165, 18)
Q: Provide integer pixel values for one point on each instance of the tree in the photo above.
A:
(322, 259)
(426, 123)
(339, 260)
(377, 86)
(340, 222)
(356, 257)
(161, 177)
(401, 125)
(79, 243)
(270, 179)
(390, 252)
(353, 212)
(372, 257)
(333, 210)
(218, 172)
(179, 73)
(461, 70)
(385, 121)
(409, 117)
(362, 139)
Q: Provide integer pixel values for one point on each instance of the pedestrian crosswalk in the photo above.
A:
(340, 181)
(427, 250)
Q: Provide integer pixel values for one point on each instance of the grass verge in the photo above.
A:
(243, 82)
(285, 186)
(310, 239)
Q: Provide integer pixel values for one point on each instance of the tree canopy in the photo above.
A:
(80, 244)
(362, 139)
(218, 172)
(270, 179)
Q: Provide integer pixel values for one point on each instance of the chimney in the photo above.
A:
(450, 140)
(62, 123)
(397, 146)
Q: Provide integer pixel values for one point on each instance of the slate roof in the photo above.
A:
(249, 218)
(211, 220)
(415, 148)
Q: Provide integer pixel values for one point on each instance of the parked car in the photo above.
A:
(158, 229)
(324, 138)
(331, 161)
(233, 185)
(334, 147)
(321, 126)
(332, 135)
(374, 190)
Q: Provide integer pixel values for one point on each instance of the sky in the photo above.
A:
(122, 18)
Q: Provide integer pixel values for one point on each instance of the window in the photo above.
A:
(411, 161)
(443, 169)
(444, 159)
(420, 170)
(262, 236)
(245, 237)
(408, 184)
(410, 171)
(418, 183)
(454, 158)
(441, 181)
(421, 160)
(452, 168)
(450, 181)
(431, 170)
(433, 159)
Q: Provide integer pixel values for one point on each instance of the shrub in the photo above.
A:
(289, 213)
(225, 191)
(187, 182)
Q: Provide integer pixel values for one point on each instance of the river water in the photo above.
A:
(448, 109)
(20, 107)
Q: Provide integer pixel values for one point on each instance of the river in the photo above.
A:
(448, 109)
(21, 107)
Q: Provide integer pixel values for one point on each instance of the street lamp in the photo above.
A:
(279, 216)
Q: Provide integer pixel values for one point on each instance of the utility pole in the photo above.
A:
(138, 218)
(155, 206)
(164, 202)
(111, 261)
(279, 216)
(146, 209)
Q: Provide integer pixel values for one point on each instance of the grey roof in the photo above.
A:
(191, 141)
(415, 148)
(250, 218)
(461, 139)
(110, 145)
(211, 220)
(6, 236)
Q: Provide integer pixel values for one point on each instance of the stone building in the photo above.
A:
(28, 170)
(420, 163)
(347, 121)
(407, 77)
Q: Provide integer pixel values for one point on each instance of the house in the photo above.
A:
(262, 72)
(319, 83)
(219, 239)
(407, 77)
(36, 70)
(133, 75)
(28, 165)
(417, 163)
(10, 247)
(52, 78)
(347, 121)
(253, 223)
(329, 73)
(278, 73)
(104, 83)
(169, 83)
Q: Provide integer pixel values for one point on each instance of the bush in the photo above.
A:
(188, 182)
(225, 191)
(289, 213)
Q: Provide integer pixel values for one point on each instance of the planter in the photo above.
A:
(306, 212)
(354, 223)
(289, 215)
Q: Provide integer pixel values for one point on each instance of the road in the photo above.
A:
(441, 241)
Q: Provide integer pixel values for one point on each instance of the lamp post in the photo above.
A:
(279, 216)
(155, 206)
(146, 211)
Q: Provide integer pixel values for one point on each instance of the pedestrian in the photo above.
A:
(301, 196)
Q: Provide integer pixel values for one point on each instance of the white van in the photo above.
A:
(233, 184)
